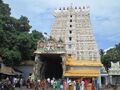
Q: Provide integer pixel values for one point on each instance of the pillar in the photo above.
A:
(99, 82)
(37, 66)
(110, 79)
(63, 63)
(106, 80)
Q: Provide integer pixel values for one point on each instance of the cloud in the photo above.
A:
(105, 16)
(108, 49)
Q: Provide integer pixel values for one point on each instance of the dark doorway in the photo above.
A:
(53, 65)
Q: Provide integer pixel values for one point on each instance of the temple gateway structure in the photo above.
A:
(71, 51)
(50, 56)
(114, 73)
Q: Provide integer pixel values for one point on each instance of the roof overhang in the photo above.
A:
(83, 63)
(86, 73)
(9, 71)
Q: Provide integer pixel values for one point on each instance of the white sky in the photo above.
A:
(105, 16)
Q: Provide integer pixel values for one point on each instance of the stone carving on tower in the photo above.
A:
(73, 26)
(50, 46)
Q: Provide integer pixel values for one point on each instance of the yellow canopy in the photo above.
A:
(72, 62)
(82, 73)
(6, 70)
(9, 71)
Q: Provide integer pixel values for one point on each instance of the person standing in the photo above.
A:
(28, 83)
(82, 85)
(64, 85)
(48, 82)
(87, 81)
(36, 85)
(61, 85)
(21, 82)
(58, 84)
(93, 84)
(54, 84)
(77, 86)
(14, 81)
(43, 84)
(74, 84)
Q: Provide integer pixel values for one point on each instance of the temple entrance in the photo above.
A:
(52, 65)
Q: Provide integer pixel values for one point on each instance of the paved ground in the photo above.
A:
(23, 88)
(111, 88)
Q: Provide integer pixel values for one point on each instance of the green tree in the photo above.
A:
(117, 52)
(2, 38)
(111, 55)
(108, 57)
(101, 51)
(11, 58)
(37, 35)
(16, 43)
(25, 45)
(4, 9)
(24, 24)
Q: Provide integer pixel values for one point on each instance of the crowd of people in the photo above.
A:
(9, 83)
(44, 84)
(60, 84)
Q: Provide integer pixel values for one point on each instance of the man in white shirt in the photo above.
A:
(82, 85)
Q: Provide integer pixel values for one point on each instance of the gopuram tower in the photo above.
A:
(71, 50)
(73, 26)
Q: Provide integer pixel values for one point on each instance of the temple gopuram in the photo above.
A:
(71, 52)
(73, 26)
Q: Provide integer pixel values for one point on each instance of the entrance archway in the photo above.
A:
(52, 65)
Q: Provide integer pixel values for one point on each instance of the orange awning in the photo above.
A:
(82, 73)
(72, 62)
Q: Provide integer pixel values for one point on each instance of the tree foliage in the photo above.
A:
(111, 55)
(16, 43)
(4, 9)
(11, 57)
